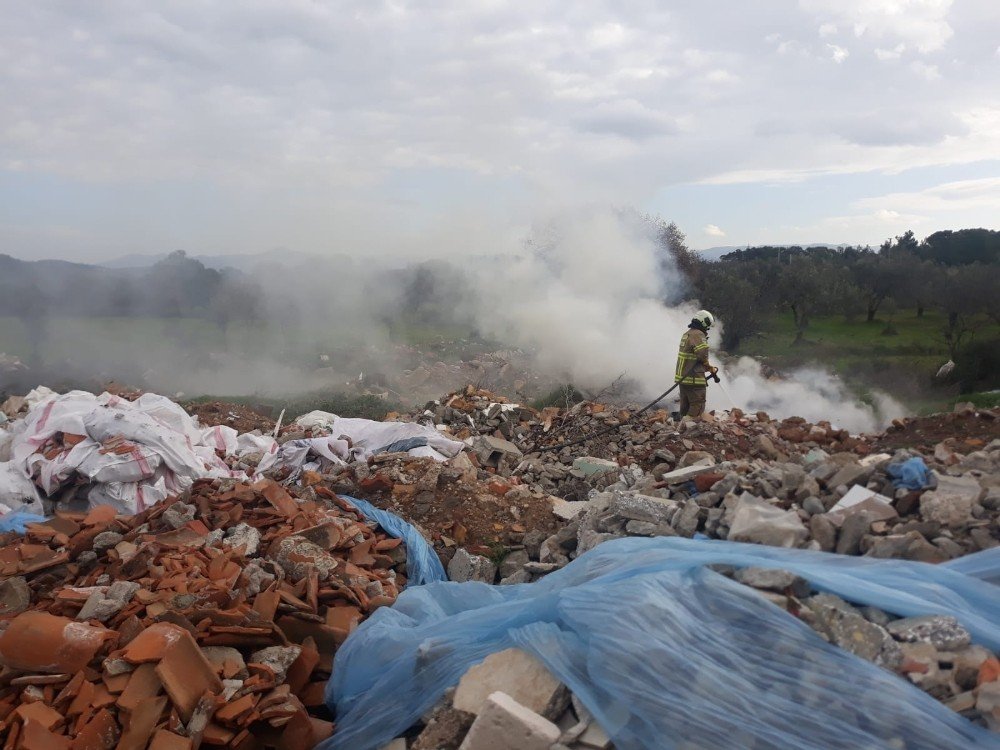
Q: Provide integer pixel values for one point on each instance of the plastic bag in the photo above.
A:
(138, 427)
(422, 563)
(220, 438)
(911, 474)
(666, 653)
(141, 462)
(18, 520)
(18, 492)
(129, 498)
(369, 437)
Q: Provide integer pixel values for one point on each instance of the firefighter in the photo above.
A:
(692, 364)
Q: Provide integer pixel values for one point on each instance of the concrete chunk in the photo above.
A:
(518, 674)
(760, 522)
(465, 567)
(505, 724)
(950, 504)
(679, 476)
(590, 465)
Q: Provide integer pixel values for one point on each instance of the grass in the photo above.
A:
(986, 400)
(903, 365)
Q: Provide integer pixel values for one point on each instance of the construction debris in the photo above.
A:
(213, 619)
(237, 565)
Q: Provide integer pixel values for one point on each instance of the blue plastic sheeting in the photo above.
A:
(17, 521)
(911, 473)
(983, 565)
(667, 654)
(422, 563)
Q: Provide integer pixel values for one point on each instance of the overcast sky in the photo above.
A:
(372, 126)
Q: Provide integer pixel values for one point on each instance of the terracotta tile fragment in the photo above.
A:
(164, 740)
(100, 733)
(143, 684)
(152, 642)
(35, 736)
(39, 712)
(141, 723)
(39, 642)
(186, 674)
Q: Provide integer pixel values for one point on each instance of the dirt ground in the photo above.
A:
(969, 432)
(238, 416)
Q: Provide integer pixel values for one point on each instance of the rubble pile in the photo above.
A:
(246, 570)
(509, 700)
(934, 652)
(209, 619)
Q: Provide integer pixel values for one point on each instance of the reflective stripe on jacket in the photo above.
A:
(693, 348)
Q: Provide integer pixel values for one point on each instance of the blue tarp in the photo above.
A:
(666, 653)
(911, 473)
(17, 521)
(422, 563)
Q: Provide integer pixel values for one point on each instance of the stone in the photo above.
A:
(635, 507)
(862, 500)
(179, 514)
(849, 474)
(774, 579)
(15, 597)
(823, 532)
(909, 546)
(846, 627)
(532, 542)
(465, 567)
(762, 523)
(855, 526)
(505, 724)
(243, 535)
(518, 674)
(397, 744)
(492, 450)
(962, 702)
(520, 576)
(941, 631)
(595, 737)
(567, 510)
(765, 445)
(590, 465)
(685, 523)
(278, 658)
(106, 540)
(445, 729)
(701, 458)
(876, 615)
(988, 704)
(102, 606)
(950, 504)
(966, 664)
(679, 476)
(513, 562)
(813, 506)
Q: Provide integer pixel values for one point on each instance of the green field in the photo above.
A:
(902, 364)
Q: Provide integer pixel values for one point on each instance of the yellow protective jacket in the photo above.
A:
(693, 348)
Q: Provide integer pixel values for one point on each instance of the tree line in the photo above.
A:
(956, 273)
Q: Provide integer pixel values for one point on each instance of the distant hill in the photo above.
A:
(238, 261)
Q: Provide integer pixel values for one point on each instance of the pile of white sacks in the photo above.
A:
(133, 454)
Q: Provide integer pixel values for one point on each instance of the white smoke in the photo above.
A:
(587, 299)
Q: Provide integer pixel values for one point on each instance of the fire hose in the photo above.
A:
(712, 374)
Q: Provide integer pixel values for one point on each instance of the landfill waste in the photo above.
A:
(211, 619)
(664, 650)
(464, 483)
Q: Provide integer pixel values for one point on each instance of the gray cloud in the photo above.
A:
(311, 111)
